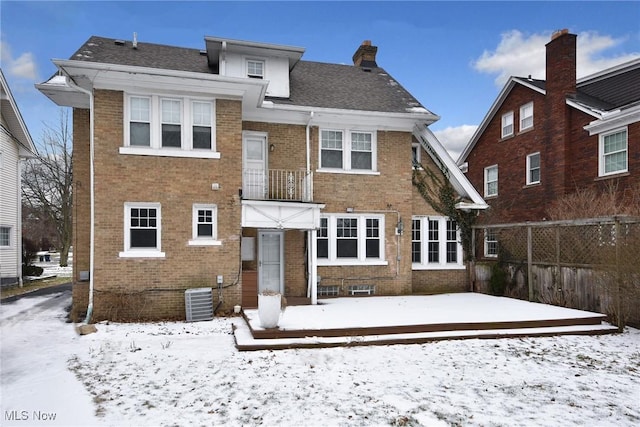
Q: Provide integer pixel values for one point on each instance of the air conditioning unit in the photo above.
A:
(198, 304)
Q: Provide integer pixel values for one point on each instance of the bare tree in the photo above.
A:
(47, 181)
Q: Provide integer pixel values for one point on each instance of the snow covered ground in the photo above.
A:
(190, 374)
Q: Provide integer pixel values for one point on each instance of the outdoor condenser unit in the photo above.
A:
(198, 304)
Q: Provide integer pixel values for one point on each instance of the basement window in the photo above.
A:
(362, 290)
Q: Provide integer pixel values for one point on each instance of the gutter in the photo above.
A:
(87, 319)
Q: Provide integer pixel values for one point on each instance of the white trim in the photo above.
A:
(486, 244)
(361, 258)
(204, 240)
(503, 134)
(130, 252)
(486, 181)
(528, 169)
(169, 152)
(601, 155)
(523, 117)
(347, 150)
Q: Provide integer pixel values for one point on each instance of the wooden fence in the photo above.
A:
(589, 264)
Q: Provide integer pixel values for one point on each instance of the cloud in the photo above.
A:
(522, 55)
(456, 138)
(24, 66)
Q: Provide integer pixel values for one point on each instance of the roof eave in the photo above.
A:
(17, 126)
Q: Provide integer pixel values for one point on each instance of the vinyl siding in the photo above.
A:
(9, 206)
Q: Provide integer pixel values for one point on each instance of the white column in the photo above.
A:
(313, 266)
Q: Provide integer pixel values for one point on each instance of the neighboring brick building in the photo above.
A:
(243, 168)
(542, 140)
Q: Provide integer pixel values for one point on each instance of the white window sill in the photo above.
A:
(170, 152)
(326, 263)
(348, 172)
(142, 254)
(204, 242)
(438, 267)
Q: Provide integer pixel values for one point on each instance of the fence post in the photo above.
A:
(560, 284)
(530, 262)
(618, 276)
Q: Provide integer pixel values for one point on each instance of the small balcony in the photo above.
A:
(277, 184)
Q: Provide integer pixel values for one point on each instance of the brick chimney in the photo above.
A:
(561, 63)
(560, 84)
(365, 56)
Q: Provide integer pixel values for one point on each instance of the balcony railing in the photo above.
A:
(277, 184)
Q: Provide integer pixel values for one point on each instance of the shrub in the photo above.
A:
(498, 281)
(31, 270)
(29, 251)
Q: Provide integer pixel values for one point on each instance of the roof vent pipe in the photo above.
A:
(135, 40)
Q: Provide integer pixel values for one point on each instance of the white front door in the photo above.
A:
(270, 261)
(254, 166)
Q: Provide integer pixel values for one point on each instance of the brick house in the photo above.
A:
(243, 168)
(16, 146)
(542, 140)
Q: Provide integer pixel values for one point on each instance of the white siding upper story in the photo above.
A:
(8, 204)
(15, 146)
(276, 71)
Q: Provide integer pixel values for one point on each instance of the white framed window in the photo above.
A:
(169, 126)
(435, 243)
(491, 181)
(142, 230)
(533, 168)
(140, 121)
(347, 239)
(5, 237)
(507, 124)
(490, 243)
(415, 155)
(350, 151)
(255, 69)
(526, 116)
(613, 153)
(204, 225)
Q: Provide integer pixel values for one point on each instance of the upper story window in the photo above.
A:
(613, 152)
(351, 239)
(346, 150)
(435, 243)
(169, 126)
(526, 116)
(533, 168)
(5, 236)
(415, 155)
(255, 69)
(142, 230)
(491, 181)
(507, 124)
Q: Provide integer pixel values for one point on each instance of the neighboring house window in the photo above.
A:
(139, 121)
(490, 243)
(438, 238)
(526, 116)
(351, 239)
(416, 241)
(507, 124)
(533, 168)
(142, 230)
(162, 126)
(351, 151)
(171, 123)
(491, 181)
(5, 236)
(415, 155)
(613, 152)
(205, 225)
(255, 69)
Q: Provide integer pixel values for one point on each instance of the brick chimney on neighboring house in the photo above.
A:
(365, 56)
(560, 84)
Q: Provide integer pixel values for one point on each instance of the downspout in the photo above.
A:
(87, 319)
(312, 264)
(19, 224)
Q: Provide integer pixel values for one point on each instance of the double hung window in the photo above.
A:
(5, 237)
(533, 168)
(491, 181)
(142, 230)
(435, 243)
(490, 243)
(205, 225)
(169, 126)
(255, 69)
(526, 116)
(507, 124)
(613, 152)
(352, 239)
(347, 150)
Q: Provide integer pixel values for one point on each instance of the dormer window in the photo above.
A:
(255, 69)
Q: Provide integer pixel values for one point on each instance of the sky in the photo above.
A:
(453, 56)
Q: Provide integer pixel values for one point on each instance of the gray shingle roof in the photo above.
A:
(313, 84)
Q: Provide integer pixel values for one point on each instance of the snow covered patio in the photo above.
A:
(413, 319)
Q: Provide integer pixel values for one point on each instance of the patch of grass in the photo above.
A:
(33, 285)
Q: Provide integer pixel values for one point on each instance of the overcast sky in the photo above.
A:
(454, 57)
